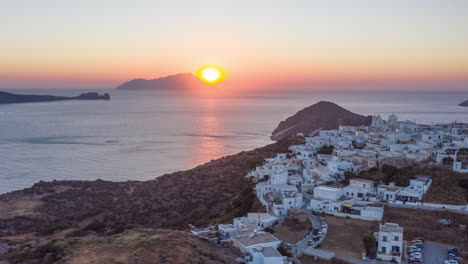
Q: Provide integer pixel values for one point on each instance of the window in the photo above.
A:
(384, 238)
(383, 250)
(396, 238)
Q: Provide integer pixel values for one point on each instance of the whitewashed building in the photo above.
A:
(390, 242)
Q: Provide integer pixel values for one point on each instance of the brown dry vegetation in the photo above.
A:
(214, 192)
(446, 188)
(345, 235)
(295, 227)
(21, 207)
(132, 246)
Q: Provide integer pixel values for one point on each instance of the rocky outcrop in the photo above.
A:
(322, 115)
(9, 98)
(465, 103)
(181, 81)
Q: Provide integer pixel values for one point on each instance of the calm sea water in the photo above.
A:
(142, 135)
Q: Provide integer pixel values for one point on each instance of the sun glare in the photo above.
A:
(211, 74)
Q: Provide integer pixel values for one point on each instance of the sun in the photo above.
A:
(211, 74)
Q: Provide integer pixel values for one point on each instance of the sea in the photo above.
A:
(140, 135)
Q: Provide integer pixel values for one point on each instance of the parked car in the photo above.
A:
(454, 250)
(415, 249)
(419, 238)
(419, 245)
(414, 259)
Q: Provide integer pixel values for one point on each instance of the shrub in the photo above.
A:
(369, 242)
(326, 150)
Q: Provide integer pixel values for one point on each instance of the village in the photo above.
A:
(320, 176)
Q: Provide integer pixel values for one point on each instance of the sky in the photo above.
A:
(102, 43)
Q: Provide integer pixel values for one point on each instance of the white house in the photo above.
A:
(432, 137)
(360, 188)
(390, 242)
(324, 173)
(228, 230)
(388, 192)
(328, 193)
(263, 255)
(278, 173)
(460, 167)
(339, 167)
(263, 220)
(255, 239)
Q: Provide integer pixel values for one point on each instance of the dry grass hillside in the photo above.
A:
(132, 246)
(214, 192)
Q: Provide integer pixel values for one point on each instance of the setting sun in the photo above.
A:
(211, 74)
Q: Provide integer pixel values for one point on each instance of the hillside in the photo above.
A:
(132, 246)
(464, 103)
(213, 192)
(181, 81)
(322, 115)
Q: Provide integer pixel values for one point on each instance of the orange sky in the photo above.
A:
(89, 44)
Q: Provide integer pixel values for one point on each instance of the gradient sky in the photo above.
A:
(102, 43)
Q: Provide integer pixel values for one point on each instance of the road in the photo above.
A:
(434, 253)
(316, 224)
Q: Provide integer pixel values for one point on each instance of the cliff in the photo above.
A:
(9, 98)
(181, 81)
(464, 103)
(322, 115)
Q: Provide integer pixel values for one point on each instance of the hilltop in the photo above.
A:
(181, 81)
(322, 115)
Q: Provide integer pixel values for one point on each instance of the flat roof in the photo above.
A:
(255, 239)
(327, 188)
(362, 180)
(268, 251)
(391, 227)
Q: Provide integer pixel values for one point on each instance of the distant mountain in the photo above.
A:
(465, 103)
(181, 81)
(9, 98)
(322, 115)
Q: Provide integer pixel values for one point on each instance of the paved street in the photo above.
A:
(434, 253)
(316, 224)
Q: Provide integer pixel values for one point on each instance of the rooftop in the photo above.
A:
(255, 239)
(363, 180)
(391, 227)
(267, 251)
